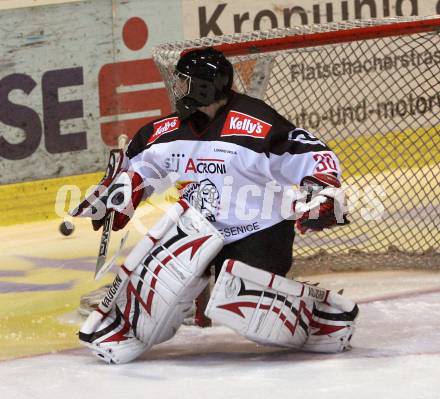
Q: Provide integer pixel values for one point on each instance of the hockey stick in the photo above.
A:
(108, 220)
(105, 239)
(102, 266)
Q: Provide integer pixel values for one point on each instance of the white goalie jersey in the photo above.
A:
(238, 172)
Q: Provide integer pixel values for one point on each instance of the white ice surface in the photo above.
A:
(396, 355)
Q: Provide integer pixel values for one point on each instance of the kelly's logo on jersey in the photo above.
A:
(239, 124)
(164, 126)
(205, 166)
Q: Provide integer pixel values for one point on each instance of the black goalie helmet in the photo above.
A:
(202, 77)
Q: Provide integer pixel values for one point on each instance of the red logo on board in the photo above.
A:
(131, 93)
(164, 126)
(239, 124)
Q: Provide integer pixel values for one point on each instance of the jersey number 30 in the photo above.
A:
(325, 163)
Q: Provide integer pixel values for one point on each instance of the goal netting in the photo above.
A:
(370, 89)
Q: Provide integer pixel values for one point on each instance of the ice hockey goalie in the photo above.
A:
(165, 272)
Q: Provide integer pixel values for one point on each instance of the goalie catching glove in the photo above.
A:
(323, 206)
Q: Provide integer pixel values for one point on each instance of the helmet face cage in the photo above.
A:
(201, 77)
(180, 85)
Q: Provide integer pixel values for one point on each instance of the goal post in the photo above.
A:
(371, 90)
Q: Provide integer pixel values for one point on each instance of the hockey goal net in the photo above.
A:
(370, 89)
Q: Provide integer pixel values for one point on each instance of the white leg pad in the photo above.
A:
(152, 299)
(244, 299)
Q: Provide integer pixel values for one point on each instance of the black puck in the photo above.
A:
(66, 228)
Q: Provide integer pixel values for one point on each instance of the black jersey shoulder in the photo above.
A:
(279, 135)
(251, 122)
(139, 141)
(258, 109)
(282, 137)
